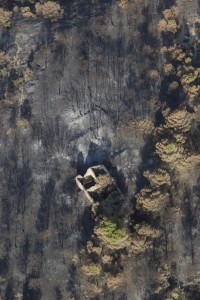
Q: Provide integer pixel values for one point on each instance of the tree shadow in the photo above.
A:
(97, 155)
(9, 290)
(72, 285)
(149, 161)
(31, 293)
(85, 227)
(155, 297)
(189, 221)
(159, 119)
(193, 292)
(83, 10)
(43, 216)
(165, 5)
(174, 98)
(145, 36)
(25, 110)
(4, 266)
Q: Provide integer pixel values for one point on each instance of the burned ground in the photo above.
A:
(94, 73)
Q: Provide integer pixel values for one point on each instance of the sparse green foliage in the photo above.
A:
(188, 60)
(193, 90)
(91, 269)
(168, 25)
(171, 22)
(175, 294)
(26, 12)
(189, 77)
(109, 233)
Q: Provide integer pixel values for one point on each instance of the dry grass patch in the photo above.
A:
(49, 10)
(158, 177)
(23, 123)
(151, 200)
(171, 151)
(147, 231)
(3, 58)
(115, 282)
(179, 120)
(5, 17)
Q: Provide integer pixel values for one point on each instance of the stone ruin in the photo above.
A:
(97, 184)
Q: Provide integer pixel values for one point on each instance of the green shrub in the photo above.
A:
(189, 78)
(171, 22)
(92, 269)
(109, 232)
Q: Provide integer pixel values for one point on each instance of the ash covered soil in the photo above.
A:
(76, 92)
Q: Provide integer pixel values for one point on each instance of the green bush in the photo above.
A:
(189, 78)
(91, 269)
(109, 232)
